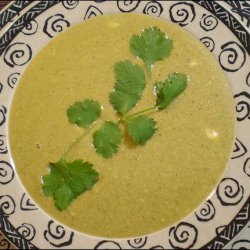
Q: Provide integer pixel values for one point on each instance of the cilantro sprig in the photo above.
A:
(67, 180)
(151, 45)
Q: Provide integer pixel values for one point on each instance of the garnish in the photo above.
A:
(169, 89)
(84, 113)
(151, 45)
(107, 139)
(130, 82)
(67, 180)
(141, 129)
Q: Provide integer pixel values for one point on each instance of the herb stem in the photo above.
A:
(139, 113)
(75, 142)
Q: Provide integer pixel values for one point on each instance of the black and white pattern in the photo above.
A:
(208, 22)
(208, 42)
(17, 54)
(12, 79)
(127, 5)
(13, 235)
(27, 231)
(183, 236)
(248, 79)
(13, 10)
(6, 173)
(239, 149)
(55, 24)
(92, 11)
(226, 233)
(57, 236)
(7, 204)
(241, 245)
(246, 166)
(182, 13)
(229, 192)
(105, 244)
(70, 4)
(243, 106)
(206, 212)
(233, 56)
(3, 113)
(138, 243)
(153, 8)
(26, 204)
(30, 28)
(3, 145)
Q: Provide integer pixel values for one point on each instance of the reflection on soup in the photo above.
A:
(141, 189)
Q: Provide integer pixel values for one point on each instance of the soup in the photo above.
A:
(142, 189)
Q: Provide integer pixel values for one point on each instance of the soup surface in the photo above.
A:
(141, 189)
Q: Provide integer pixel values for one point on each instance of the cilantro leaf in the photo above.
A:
(169, 89)
(141, 129)
(107, 139)
(130, 78)
(84, 113)
(67, 181)
(151, 45)
(130, 82)
(123, 102)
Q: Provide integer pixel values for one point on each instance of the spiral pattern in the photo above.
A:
(138, 242)
(241, 245)
(232, 57)
(70, 4)
(206, 213)
(229, 192)
(27, 231)
(3, 112)
(92, 11)
(106, 244)
(242, 106)
(247, 79)
(17, 54)
(1, 87)
(4, 244)
(239, 149)
(6, 173)
(208, 22)
(12, 79)
(127, 5)
(55, 24)
(208, 42)
(30, 28)
(57, 236)
(246, 167)
(7, 204)
(3, 145)
(183, 236)
(153, 9)
(182, 13)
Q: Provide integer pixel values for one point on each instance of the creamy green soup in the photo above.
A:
(141, 189)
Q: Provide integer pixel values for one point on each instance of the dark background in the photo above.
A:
(3, 3)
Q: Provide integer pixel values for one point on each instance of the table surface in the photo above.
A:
(3, 3)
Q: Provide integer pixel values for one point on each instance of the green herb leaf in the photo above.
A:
(130, 78)
(67, 181)
(123, 102)
(84, 113)
(107, 139)
(130, 82)
(141, 129)
(151, 45)
(168, 90)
